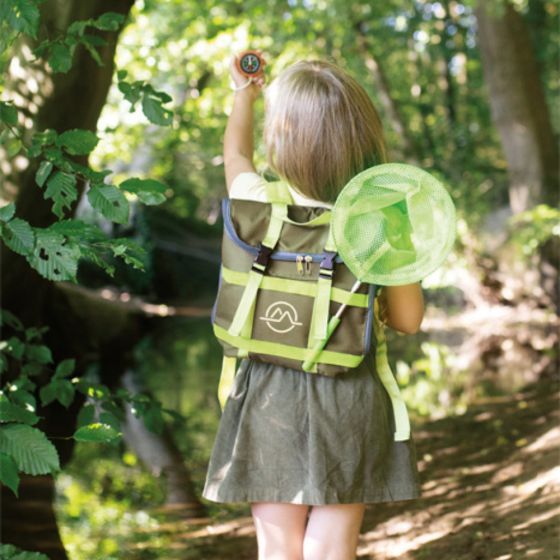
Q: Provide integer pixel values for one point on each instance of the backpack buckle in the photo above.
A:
(326, 268)
(260, 263)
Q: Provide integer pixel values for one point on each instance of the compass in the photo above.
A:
(249, 63)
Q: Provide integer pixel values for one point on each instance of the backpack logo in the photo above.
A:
(281, 317)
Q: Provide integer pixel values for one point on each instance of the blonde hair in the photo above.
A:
(320, 128)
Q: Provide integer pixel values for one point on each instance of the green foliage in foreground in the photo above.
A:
(11, 552)
(25, 448)
(54, 252)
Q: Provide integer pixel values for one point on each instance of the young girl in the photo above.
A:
(308, 451)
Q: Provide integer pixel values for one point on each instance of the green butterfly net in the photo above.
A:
(393, 224)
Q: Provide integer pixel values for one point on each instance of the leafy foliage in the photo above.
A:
(11, 552)
(54, 252)
(18, 16)
(531, 229)
(59, 51)
(99, 420)
(152, 100)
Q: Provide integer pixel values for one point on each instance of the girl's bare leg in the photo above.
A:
(332, 532)
(280, 529)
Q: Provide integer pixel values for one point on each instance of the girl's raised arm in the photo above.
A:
(238, 136)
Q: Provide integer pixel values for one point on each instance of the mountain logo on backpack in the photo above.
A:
(281, 317)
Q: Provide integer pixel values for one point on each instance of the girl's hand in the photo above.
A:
(239, 79)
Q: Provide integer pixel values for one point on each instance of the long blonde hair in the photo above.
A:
(320, 128)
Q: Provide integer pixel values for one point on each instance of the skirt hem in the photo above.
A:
(306, 500)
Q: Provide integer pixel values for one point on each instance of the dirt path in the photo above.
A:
(490, 491)
(491, 486)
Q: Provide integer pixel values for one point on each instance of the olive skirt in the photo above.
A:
(291, 436)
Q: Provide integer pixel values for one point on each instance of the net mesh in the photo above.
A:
(393, 224)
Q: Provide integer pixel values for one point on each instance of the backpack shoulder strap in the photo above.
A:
(277, 191)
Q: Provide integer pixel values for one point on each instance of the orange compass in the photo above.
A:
(250, 64)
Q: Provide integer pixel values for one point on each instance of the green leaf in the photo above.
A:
(52, 258)
(95, 40)
(91, 49)
(152, 108)
(60, 59)
(61, 187)
(38, 353)
(131, 92)
(11, 412)
(130, 252)
(153, 418)
(8, 318)
(14, 147)
(78, 27)
(44, 138)
(32, 451)
(7, 212)
(64, 368)
(86, 415)
(65, 392)
(21, 383)
(91, 174)
(8, 114)
(56, 155)
(23, 16)
(149, 191)
(78, 231)
(78, 141)
(161, 95)
(31, 368)
(10, 552)
(110, 420)
(35, 332)
(15, 347)
(122, 74)
(18, 235)
(24, 398)
(110, 201)
(58, 389)
(9, 474)
(109, 21)
(96, 432)
(48, 394)
(93, 255)
(113, 409)
(3, 364)
(43, 172)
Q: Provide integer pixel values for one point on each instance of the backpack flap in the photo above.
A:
(277, 313)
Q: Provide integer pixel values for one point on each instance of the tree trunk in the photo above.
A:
(390, 106)
(160, 455)
(519, 108)
(63, 101)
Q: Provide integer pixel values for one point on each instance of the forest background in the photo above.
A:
(112, 116)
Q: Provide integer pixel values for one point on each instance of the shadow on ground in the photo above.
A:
(490, 491)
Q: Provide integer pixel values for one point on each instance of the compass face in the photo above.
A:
(250, 63)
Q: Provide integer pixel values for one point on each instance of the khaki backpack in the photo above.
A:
(280, 281)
